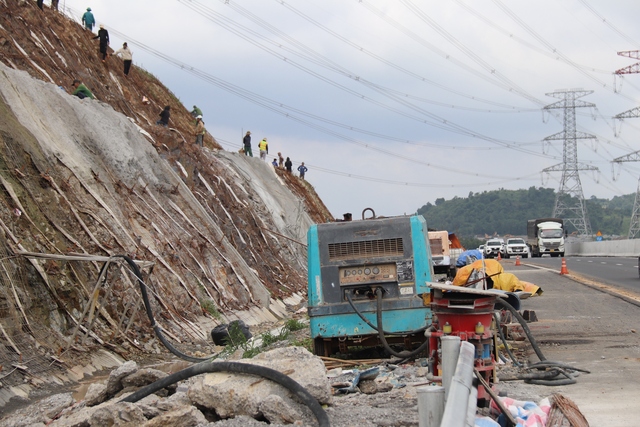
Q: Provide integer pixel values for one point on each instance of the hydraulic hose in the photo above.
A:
(504, 341)
(525, 327)
(241, 368)
(154, 325)
(403, 354)
(374, 327)
(561, 377)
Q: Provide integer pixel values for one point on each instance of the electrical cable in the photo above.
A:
(240, 368)
(385, 344)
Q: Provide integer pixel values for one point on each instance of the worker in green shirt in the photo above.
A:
(81, 91)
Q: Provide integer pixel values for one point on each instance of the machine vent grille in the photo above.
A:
(366, 249)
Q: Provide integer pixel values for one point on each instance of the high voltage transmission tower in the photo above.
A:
(570, 204)
(634, 225)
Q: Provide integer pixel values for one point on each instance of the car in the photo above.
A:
(481, 248)
(493, 247)
(515, 246)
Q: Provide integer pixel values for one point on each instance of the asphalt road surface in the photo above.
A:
(592, 325)
(619, 272)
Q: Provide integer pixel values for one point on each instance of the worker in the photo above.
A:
(88, 20)
(81, 91)
(246, 141)
(199, 131)
(280, 161)
(302, 169)
(275, 163)
(196, 112)
(103, 35)
(264, 149)
(288, 164)
(164, 116)
(127, 56)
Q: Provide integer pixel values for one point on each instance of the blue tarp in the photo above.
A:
(467, 257)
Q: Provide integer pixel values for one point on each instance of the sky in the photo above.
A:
(394, 104)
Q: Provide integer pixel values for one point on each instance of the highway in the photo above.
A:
(620, 272)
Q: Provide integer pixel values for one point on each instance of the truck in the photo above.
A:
(445, 248)
(546, 236)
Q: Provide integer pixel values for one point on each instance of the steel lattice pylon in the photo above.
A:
(634, 225)
(570, 204)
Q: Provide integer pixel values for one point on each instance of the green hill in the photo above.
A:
(507, 211)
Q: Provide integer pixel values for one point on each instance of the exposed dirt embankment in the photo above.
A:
(219, 235)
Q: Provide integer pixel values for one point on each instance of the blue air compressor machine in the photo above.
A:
(367, 281)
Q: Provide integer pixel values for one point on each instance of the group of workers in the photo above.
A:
(278, 162)
(81, 91)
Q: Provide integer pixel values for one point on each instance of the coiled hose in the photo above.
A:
(402, 354)
(241, 368)
(559, 374)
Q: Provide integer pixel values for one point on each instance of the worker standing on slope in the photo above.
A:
(127, 56)
(264, 149)
(302, 169)
(280, 161)
(246, 142)
(199, 132)
(88, 20)
(81, 91)
(288, 164)
(103, 35)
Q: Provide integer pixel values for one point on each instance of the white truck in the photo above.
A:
(546, 236)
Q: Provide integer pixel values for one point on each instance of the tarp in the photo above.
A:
(491, 267)
(467, 257)
(501, 280)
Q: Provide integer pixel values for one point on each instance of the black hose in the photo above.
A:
(403, 354)
(504, 341)
(550, 363)
(154, 325)
(525, 327)
(242, 368)
(372, 326)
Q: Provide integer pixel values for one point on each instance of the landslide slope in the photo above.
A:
(218, 235)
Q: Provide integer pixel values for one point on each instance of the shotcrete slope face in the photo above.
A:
(102, 147)
(84, 134)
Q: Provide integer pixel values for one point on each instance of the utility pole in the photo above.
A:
(634, 225)
(570, 204)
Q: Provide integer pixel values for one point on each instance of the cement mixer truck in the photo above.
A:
(546, 236)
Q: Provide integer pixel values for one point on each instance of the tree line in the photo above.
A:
(502, 212)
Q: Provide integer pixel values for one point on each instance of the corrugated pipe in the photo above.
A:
(456, 409)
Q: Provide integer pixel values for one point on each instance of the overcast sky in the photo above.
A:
(393, 104)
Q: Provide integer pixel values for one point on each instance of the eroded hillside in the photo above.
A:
(218, 235)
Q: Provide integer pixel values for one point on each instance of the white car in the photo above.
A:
(493, 247)
(514, 247)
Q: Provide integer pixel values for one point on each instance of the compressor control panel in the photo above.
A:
(371, 273)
